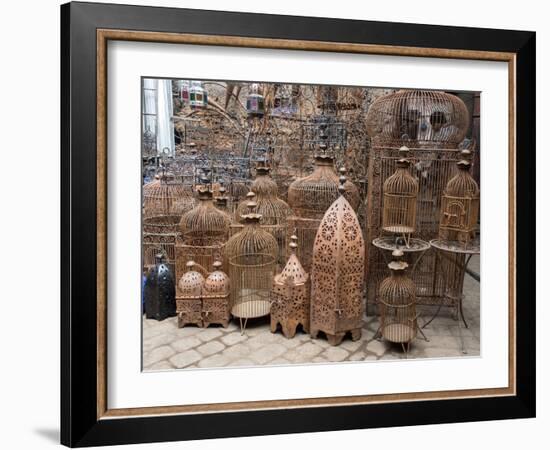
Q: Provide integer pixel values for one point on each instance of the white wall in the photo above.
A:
(29, 357)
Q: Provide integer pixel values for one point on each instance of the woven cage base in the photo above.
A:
(251, 309)
(399, 333)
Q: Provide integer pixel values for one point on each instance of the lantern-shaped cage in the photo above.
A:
(189, 296)
(337, 273)
(159, 291)
(215, 297)
(431, 125)
(251, 255)
(198, 96)
(255, 102)
(274, 211)
(310, 197)
(397, 306)
(460, 206)
(290, 296)
(183, 86)
(399, 203)
(204, 231)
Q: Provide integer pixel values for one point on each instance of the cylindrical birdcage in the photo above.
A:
(432, 126)
(397, 305)
(215, 297)
(290, 296)
(165, 196)
(337, 273)
(159, 236)
(274, 211)
(399, 207)
(460, 205)
(310, 197)
(189, 296)
(204, 231)
(251, 255)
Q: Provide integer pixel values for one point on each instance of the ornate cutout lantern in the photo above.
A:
(460, 205)
(198, 97)
(255, 102)
(188, 297)
(184, 90)
(159, 291)
(251, 255)
(290, 296)
(400, 192)
(204, 231)
(215, 297)
(337, 273)
(397, 304)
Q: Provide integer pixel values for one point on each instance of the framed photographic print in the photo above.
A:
(278, 224)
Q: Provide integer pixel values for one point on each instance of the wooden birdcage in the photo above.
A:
(215, 297)
(397, 305)
(310, 197)
(400, 194)
(204, 231)
(251, 255)
(290, 296)
(431, 125)
(460, 205)
(165, 196)
(337, 273)
(189, 297)
(274, 211)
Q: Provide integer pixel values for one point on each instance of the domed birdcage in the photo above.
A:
(189, 296)
(399, 208)
(460, 205)
(204, 231)
(310, 197)
(432, 125)
(337, 273)
(215, 297)
(165, 196)
(397, 305)
(251, 255)
(274, 211)
(237, 190)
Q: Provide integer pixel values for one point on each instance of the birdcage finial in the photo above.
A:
(190, 265)
(293, 243)
(217, 264)
(342, 179)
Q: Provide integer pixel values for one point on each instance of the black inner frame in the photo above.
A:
(79, 424)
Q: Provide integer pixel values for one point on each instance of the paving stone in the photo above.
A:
(161, 365)
(261, 340)
(292, 342)
(234, 338)
(304, 353)
(350, 345)
(243, 362)
(185, 343)
(157, 354)
(207, 334)
(157, 341)
(188, 330)
(218, 360)
(268, 353)
(237, 351)
(358, 356)
(279, 361)
(231, 327)
(377, 347)
(210, 348)
(318, 359)
(335, 354)
(185, 359)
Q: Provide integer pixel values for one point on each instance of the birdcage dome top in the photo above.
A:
(462, 184)
(401, 182)
(205, 218)
(217, 282)
(409, 116)
(164, 196)
(263, 184)
(272, 209)
(191, 282)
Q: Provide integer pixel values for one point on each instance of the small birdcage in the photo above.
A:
(215, 297)
(252, 256)
(397, 304)
(310, 197)
(274, 211)
(460, 205)
(255, 102)
(337, 273)
(165, 196)
(204, 231)
(189, 296)
(399, 208)
(290, 296)
(198, 96)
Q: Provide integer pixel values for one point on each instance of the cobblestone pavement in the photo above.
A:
(167, 347)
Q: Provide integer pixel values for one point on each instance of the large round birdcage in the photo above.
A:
(418, 118)
(166, 196)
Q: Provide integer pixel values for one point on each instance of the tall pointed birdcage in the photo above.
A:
(204, 232)
(337, 273)
(274, 211)
(432, 125)
(310, 197)
(397, 304)
(460, 205)
(251, 255)
(399, 207)
(290, 296)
